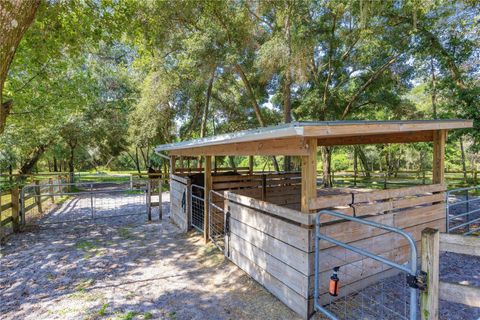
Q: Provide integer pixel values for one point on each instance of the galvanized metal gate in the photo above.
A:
(217, 219)
(197, 209)
(69, 202)
(372, 285)
(463, 211)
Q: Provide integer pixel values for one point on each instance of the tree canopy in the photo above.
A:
(99, 83)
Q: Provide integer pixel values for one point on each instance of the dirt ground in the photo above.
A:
(128, 268)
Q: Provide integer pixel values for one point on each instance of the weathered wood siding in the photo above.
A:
(411, 209)
(179, 188)
(275, 245)
(271, 244)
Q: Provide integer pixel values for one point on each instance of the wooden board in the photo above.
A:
(291, 277)
(284, 252)
(285, 231)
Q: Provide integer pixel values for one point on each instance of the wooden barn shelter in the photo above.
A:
(271, 216)
(303, 138)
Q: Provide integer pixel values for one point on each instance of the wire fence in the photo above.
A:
(68, 202)
(463, 211)
(372, 278)
(197, 207)
(216, 218)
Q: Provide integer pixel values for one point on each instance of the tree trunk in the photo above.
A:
(71, 161)
(326, 161)
(29, 164)
(434, 90)
(55, 165)
(363, 161)
(15, 18)
(355, 166)
(203, 125)
(255, 105)
(464, 162)
(287, 94)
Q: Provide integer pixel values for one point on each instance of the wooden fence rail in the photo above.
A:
(433, 242)
(10, 205)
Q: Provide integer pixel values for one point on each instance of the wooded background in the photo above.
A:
(94, 85)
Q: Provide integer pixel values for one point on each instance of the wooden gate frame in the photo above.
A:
(433, 242)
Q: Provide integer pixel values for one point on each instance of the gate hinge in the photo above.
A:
(418, 282)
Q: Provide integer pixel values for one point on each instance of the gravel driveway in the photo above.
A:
(129, 268)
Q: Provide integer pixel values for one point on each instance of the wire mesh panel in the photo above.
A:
(370, 278)
(198, 206)
(217, 219)
(66, 202)
(463, 211)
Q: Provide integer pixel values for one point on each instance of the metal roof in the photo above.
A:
(320, 129)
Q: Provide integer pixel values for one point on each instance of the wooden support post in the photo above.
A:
(172, 164)
(51, 190)
(430, 265)
(38, 199)
(264, 187)
(439, 139)
(149, 199)
(250, 164)
(160, 187)
(15, 209)
(309, 174)
(181, 164)
(208, 187)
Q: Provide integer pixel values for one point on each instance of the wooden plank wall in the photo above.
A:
(411, 209)
(275, 244)
(274, 249)
(179, 215)
(283, 189)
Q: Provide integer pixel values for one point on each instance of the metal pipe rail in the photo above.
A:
(468, 212)
(411, 269)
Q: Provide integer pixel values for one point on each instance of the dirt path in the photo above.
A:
(131, 271)
(128, 268)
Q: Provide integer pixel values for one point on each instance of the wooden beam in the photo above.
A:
(430, 265)
(309, 174)
(459, 293)
(460, 244)
(208, 187)
(250, 164)
(273, 147)
(439, 139)
(379, 127)
(402, 137)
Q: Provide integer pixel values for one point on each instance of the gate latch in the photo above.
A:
(418, 282)
(227, 223)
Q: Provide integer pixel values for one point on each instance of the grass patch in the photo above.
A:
(91, 249)
(127, 316)
(126, 234)
(147, 315)
(103, 310)
(172, 315)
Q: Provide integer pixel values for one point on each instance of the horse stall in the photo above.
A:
(269, 220)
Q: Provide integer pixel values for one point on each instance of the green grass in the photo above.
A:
(127, 316)
(103, 310)
(147, 316)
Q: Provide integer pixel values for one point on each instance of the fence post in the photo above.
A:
(149, 200)
(15, 209)
(131, 181)
(38, 199)
(160, 211)
(51, 190)
(430, 264)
